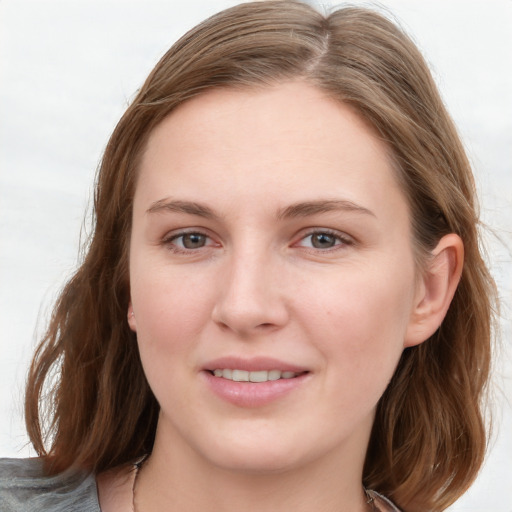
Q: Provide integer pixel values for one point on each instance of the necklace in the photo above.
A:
(136, 469)
(370, 498)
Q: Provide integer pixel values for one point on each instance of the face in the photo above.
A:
(271, 243)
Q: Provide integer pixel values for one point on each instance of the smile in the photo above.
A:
(254, 376)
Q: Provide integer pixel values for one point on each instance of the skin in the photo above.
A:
(332, 288)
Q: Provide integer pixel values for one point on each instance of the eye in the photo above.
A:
(324, 240)
(190, 241)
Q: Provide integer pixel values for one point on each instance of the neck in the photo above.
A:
(174, 478)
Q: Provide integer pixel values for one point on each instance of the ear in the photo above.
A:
(131, 318)
(436, 289)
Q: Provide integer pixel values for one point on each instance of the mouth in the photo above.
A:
(237, 375)
(256, 381)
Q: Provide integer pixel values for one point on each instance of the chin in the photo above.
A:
(256, 463)
(257, 456)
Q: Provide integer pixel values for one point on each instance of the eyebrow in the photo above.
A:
(296, 210)
(189, 207)
(307, 208)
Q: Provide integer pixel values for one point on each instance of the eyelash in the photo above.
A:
(169, 242)
(341, 241)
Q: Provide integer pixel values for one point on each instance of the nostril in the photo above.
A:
(249, 314)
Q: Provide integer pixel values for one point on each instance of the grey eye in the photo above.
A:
(323, 240)
(193, 240)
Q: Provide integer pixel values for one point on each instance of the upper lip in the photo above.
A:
(252, 364)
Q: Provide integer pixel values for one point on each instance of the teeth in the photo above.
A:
(240, 376)
(274, 375)
(259, 376)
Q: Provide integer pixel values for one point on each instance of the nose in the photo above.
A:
(251, 298)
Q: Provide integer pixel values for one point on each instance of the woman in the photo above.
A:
(283, 298)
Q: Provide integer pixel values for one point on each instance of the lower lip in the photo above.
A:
(253, 394)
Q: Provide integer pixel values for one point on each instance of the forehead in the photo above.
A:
(284, 142)
(287, 113)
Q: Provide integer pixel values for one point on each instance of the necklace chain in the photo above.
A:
(137, 467)
(370, 500)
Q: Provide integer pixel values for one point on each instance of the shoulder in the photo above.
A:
(25, 488)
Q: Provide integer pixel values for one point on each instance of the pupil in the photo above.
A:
(193, 240)
(323, 240)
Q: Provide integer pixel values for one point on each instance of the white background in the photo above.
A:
(68, 70)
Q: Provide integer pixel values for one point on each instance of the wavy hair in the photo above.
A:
(88, 403)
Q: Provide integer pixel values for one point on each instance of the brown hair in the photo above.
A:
(428, 439)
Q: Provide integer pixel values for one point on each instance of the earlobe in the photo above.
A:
(131, 318)
(436, 289)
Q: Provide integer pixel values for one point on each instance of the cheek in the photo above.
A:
(171, 310)
(359, 323)
(170, 313)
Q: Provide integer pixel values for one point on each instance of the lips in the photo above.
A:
(253, 382)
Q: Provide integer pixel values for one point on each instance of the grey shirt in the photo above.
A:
(25, 488)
